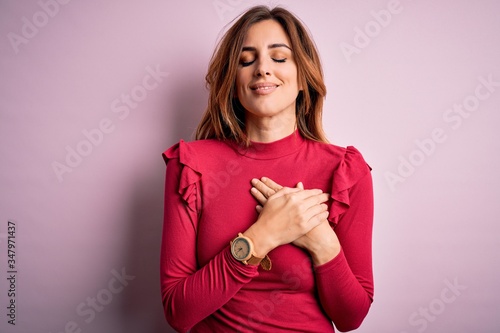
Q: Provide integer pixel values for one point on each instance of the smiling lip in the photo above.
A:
(263, 88)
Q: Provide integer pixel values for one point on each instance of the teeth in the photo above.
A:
(265, 88)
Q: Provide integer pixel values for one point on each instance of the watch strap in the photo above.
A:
(265, 262)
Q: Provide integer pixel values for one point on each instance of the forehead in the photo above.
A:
(265, 33)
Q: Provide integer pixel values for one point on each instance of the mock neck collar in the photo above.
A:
(271, 150)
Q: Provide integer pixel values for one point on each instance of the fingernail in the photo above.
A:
(263, 179)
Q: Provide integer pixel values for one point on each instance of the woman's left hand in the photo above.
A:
(321, 242)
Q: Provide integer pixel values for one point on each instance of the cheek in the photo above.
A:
(291, 75)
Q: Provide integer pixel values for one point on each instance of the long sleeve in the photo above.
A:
(208, 201)
(345, 284)
(189, 292)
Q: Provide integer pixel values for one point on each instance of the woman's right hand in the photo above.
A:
(288, 214)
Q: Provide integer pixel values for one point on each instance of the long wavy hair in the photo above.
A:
(224, 117)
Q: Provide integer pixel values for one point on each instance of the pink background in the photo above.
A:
(397, 72)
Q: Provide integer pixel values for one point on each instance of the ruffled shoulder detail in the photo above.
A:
(350, 170)
(189, 175)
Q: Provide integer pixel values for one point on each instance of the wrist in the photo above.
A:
(322, 255)
(323, 251)
(260, 241)
(243, 250)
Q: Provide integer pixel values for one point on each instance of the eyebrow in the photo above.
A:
(271, 46)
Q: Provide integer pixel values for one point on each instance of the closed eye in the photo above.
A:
(247, 63)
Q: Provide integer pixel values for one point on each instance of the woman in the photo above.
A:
(267, 227)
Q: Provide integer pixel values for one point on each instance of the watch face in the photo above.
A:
(240, 248)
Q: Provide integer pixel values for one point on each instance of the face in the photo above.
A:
(266, 80)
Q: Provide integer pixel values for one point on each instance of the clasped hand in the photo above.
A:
(297, 216)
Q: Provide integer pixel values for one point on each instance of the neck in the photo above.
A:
(270, 129)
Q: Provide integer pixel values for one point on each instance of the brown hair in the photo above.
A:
(224, 117)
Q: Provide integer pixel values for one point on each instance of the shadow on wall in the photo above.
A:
(142, 306)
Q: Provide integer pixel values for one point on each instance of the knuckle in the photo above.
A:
(303, 224)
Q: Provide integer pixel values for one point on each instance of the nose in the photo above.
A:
(262, 68)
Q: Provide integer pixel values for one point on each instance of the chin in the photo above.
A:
(263, 113)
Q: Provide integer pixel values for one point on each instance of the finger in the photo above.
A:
(320, 198)
(317, 209)
(263, 188)
(300, 185)
(271, 184)
(313, 201)
(261, 199)
(316, 195)
(284, 191)
(259, 208)
(324, 197)
(317, 215)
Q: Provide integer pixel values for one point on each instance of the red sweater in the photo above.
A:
(208, 201)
